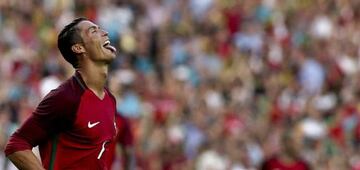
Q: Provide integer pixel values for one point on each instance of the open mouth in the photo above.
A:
(108, 46)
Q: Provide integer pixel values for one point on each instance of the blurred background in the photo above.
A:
(206, 84)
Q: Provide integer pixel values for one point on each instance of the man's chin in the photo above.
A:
(111, 55)
(107, 60)
(110, 59)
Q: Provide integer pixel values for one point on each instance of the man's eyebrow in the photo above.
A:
(92, 27)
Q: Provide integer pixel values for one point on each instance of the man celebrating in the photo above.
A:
(74, 125)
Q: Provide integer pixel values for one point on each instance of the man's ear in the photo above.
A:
(78, 48)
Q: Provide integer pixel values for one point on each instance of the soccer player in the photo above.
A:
(74, 125)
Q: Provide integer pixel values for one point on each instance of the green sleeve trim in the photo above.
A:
(53, 152)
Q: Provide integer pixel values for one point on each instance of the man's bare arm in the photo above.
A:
(25, 160)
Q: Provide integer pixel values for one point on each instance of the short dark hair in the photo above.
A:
(68, 37)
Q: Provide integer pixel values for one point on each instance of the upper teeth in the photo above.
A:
(107, 42)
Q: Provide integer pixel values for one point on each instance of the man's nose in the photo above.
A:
(105, 33)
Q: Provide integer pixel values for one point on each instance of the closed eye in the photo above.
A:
(93, 29)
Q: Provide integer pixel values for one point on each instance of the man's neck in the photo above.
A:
(94, 76)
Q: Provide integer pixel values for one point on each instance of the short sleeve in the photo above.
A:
(53, 115)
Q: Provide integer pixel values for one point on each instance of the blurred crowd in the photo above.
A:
(206, 84)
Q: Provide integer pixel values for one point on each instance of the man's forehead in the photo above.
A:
(85, 25)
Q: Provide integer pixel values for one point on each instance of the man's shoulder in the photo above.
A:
(110, 94)
(64, 98)
(68, 92)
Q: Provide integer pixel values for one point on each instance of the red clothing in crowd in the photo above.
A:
(275, 163)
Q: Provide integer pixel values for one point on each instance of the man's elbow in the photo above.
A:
(15, 144)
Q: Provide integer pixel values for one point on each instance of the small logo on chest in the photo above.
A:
(91, 125)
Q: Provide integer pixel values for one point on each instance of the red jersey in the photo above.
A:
(72, 126)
